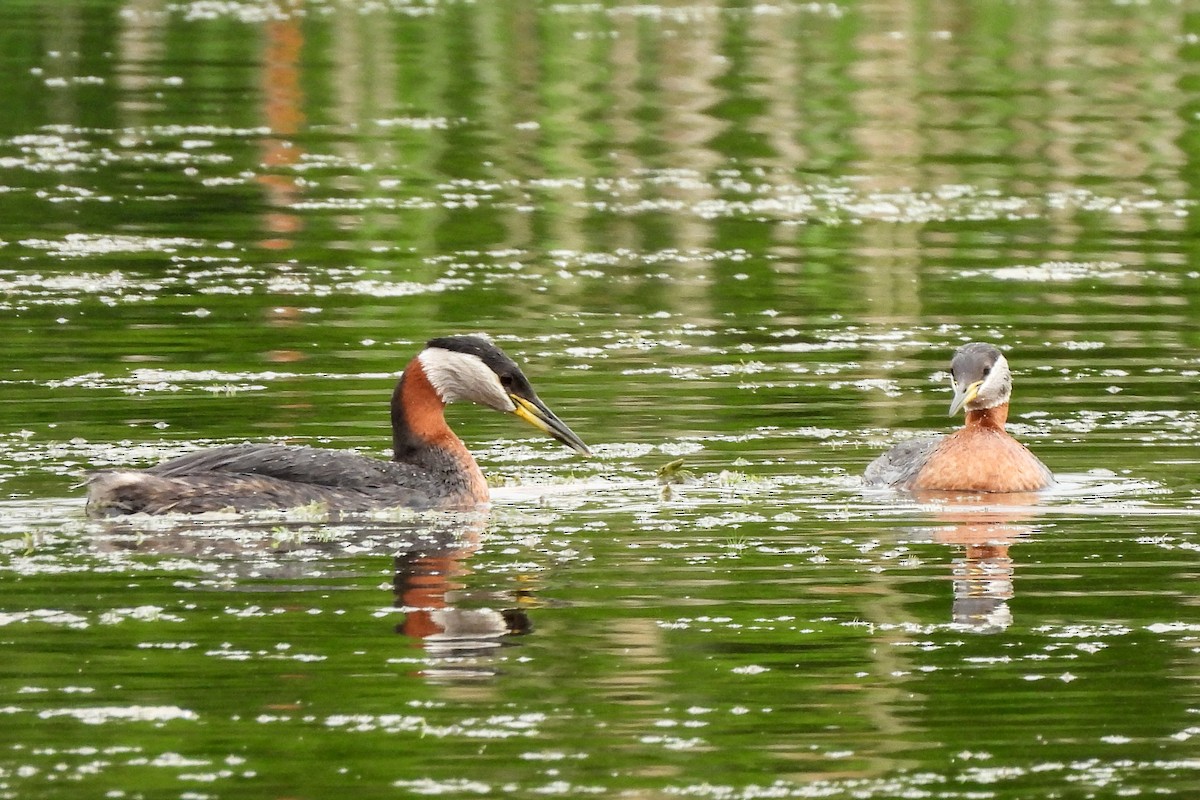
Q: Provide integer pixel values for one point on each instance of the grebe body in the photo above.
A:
(430, 466)
(979, 457)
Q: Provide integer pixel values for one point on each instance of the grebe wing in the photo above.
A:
(310, 465)
(901, 464)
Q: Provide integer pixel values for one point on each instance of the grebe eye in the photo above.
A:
(986, 371)
(506, 381)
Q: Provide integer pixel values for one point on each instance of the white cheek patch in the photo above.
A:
(996, 386)
(461, 376)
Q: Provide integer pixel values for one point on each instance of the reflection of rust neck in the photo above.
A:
(993, 417)
(421, 587)
(986, 552)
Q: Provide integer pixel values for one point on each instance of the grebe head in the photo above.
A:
(473, 369)
(980, 376)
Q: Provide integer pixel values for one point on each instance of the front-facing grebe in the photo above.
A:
(430, 466)
(979, 457)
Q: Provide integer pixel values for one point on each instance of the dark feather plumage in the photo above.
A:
(899, 465)
(263, 477)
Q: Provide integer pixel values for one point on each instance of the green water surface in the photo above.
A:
(745, 235)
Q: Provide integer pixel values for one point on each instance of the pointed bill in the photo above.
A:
(963, 396)
(536, 414)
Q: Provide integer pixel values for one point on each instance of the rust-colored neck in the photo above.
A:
(421, 437)
(993, 417)
(418, 418)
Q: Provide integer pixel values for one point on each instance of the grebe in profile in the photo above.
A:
(981, 456)
(430, 466)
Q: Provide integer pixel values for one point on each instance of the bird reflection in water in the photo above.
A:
(461, 639)
(460, 630)
(981, 532)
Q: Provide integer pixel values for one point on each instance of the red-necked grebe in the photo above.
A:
(981, 456)
(430, 466)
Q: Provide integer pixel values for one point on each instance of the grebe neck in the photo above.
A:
(993, 417)
(418, 418)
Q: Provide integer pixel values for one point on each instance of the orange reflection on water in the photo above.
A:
(981, 529)
(283, 101)
(429, 587)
